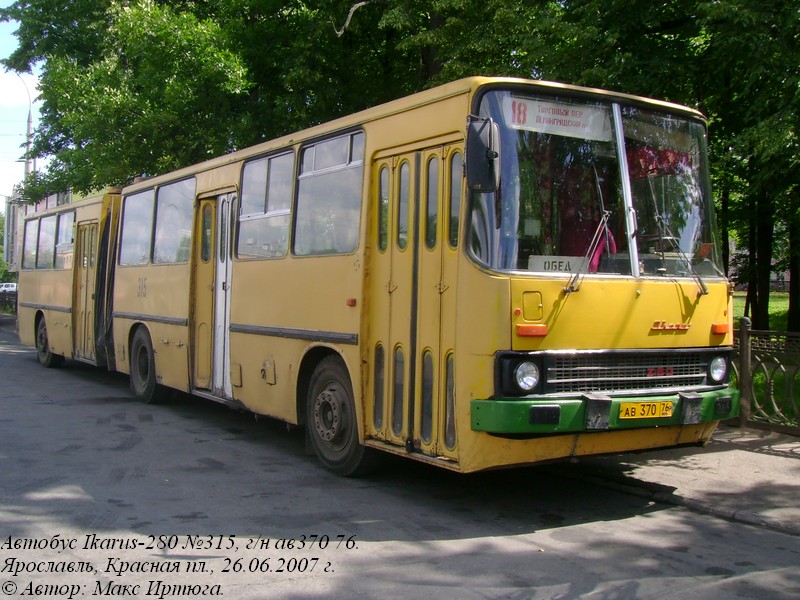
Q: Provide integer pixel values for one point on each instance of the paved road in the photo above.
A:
(103, 496)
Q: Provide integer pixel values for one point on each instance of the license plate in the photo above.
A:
(645, 410)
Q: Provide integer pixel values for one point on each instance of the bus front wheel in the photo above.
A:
(143, 368)
(46, 356)
(331, 422)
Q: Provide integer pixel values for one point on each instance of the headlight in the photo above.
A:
(718, 369)
(527, 376)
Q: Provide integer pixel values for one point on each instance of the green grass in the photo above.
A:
(778, 309)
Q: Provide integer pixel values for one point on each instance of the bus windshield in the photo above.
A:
(570, 200)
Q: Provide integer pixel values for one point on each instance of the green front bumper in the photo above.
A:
(595, 412)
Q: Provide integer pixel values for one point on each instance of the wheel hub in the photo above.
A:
(42, 338)
(327, 415)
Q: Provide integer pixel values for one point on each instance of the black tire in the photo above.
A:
(143, 368)
(46, 356)
(331, 422)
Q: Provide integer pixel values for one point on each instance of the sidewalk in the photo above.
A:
(744, 474)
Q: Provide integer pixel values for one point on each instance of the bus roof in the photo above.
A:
(76, 201)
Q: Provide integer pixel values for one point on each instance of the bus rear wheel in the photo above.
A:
(331, 421)
(46, 356)
(143, 368)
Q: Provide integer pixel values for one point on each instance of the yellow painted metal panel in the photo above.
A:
(157, 296)
(491, 451)
(622, 313)
(287, 303)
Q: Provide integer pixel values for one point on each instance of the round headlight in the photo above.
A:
(527, 376)
(718, 368)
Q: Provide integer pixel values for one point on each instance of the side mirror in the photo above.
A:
(483, 154)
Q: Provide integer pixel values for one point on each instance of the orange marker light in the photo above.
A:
(720, 328)
(531, 330)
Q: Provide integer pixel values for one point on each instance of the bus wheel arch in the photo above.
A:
(327, 407)
(45, 355)
(143, 380)
(307, 366)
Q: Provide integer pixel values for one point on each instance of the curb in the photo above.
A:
(729, 515)
(657, 493)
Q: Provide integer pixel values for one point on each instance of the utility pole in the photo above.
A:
(29, 132)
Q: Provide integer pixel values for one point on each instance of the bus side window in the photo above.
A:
(266, 207)
(328, 208)
(254, 187)
(31, 243)
(174, 212)
(64, 242)
(137, 226)
(47, 240)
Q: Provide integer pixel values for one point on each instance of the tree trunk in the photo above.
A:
(765, 217)
(751, 301)
(723, 222)
(431, 63)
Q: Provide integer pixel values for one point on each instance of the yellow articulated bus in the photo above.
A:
(63, 296)
(490, 273)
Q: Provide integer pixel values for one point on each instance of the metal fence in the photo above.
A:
(768, 372)
(8, 301)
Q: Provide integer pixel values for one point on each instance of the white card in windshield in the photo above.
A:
(559, 118)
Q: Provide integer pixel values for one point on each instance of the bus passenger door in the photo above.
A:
(85, 274)
(440, 177)
(399, 290)
(412, 290)
(211, 368)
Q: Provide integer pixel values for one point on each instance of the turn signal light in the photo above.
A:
(720, 328)
(531, 329)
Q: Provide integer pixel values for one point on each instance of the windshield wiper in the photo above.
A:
(599, 234)
(663, 228)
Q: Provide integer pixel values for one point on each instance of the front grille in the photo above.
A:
(609, 372)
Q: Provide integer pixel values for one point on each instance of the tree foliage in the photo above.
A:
(752, 91)
(138, 87)
(147, 98)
